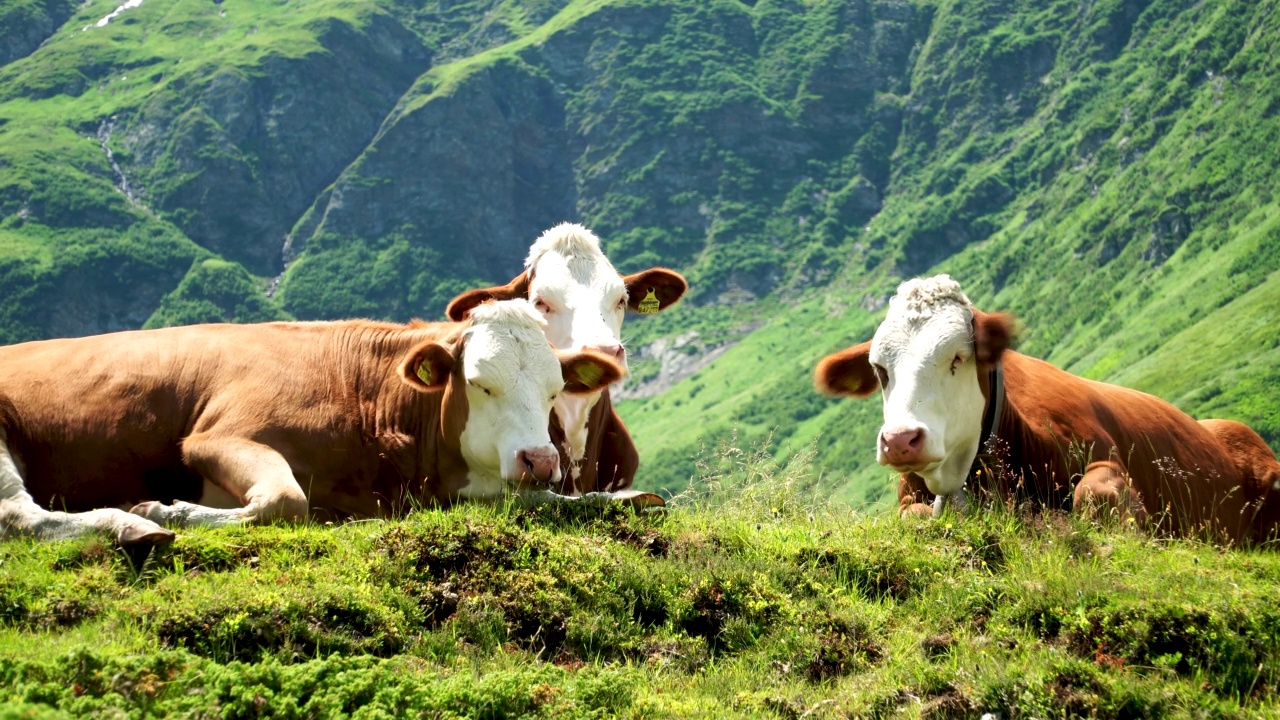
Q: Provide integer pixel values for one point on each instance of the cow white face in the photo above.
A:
(923, 356)
(583, 300)
(579, 293)
(511, 377)
(926, 357)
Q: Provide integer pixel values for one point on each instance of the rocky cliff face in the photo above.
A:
(24, 25)
(233, 154)
(395, 154)
(674, 131)
(450, 193)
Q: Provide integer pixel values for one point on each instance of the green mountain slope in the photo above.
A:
(1103, 169)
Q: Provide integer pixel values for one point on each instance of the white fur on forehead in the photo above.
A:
(567, 239)
(510, 314)
(921, 296)
(506, 344)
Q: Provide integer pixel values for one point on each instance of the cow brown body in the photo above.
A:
(112, 426)
(1064, 439)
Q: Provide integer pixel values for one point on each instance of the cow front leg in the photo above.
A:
(959, 500)
(1104, 491)
(21, 516)
(914, 496)
(635, 498)
(256, 474)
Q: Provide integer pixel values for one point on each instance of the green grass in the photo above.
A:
(746, 598)
(444, 79)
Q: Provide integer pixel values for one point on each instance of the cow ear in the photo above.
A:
(428, 366)
(654, 290)
(586, 372)
(993, 333)
(847, 372)
(517, 289)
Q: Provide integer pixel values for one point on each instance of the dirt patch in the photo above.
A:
(936, 646)
(843, 647)
(952, 705)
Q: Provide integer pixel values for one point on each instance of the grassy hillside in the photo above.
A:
(743, 600)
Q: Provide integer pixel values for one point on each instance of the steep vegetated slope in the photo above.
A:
(677, 130)
(1101, 168)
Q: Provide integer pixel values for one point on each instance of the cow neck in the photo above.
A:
(1012, 453)
(995, 406)
(574, 412)
(992, 412)
(411, 427)
(441, 461)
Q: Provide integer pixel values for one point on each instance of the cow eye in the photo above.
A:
(622, 302)
(554, 396)
(482, 388)
(882, 375)
(542, 306)
(956, 362)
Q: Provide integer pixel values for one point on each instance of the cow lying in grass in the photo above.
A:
(951, 385)
(279, 420)
(583, 298)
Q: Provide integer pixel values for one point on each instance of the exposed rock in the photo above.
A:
(678, 357)
(1168, 232)
(236, 156)
(462, 183)
(24, 26)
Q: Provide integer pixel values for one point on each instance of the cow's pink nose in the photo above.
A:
(538, 466)
(614, 351)
(902, 447)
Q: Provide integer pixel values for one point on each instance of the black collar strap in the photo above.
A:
(990, 416)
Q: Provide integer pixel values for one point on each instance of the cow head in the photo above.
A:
(503, 377)
(928, 356)
(579, 293)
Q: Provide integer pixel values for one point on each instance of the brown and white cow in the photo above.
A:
(332, 419)
(583, 298)
(950, 384)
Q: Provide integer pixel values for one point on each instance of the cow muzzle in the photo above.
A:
(538, 467)
(903, 448)
(615, 352)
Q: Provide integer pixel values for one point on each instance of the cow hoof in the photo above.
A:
(638, 499)
(917, 510)
(134, 536)
(151, 510)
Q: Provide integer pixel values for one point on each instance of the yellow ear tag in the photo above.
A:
(588, 374)
(649, 305)
(424, 373)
